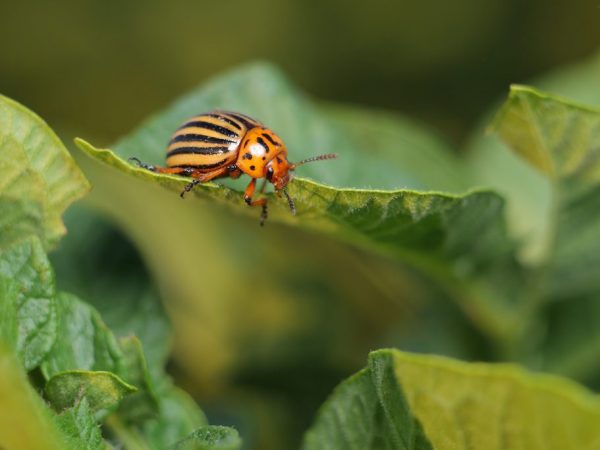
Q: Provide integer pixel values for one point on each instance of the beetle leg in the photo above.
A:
(201, 177)
(248, 193)
(183, 171)
(188, 187)
(233, 171)
(141, 164)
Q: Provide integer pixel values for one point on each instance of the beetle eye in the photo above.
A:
(270, 173)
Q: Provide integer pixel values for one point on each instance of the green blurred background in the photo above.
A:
(268, 359)
(97, 68)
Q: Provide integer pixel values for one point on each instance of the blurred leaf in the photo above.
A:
(39, 177)
(28, 269)
(418, 158)
(366, 412)
(9, 323)
(111, 276)
(123, 292)
(26, 423)
(143, 403)
(83, 341)
(428, 402)
(179, 415)
(528, 192)
(103, 390)
(562, 140)
(78, 424)
(572, 339)
(209, 438)
(158, 414)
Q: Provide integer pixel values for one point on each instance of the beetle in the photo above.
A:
(220, 144)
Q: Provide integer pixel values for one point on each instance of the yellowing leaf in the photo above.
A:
(39, 177)
(422, 402)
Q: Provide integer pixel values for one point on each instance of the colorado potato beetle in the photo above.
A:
(221, 144)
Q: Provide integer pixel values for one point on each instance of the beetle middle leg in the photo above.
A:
(249, 192)
(201, 177)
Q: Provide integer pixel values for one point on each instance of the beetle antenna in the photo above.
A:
(316, 158)
(290, 201)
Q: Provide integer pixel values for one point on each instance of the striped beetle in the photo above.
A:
(221, 144)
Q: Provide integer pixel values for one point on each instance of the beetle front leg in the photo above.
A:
(248, 193)
(141, 164)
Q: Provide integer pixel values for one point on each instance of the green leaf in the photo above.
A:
(562, 140)
(9, 324)
(143, 403)
(554, 135)
(179, 416)
(79, 425)
(158, 414)
(357, 417)
(122, 292)
(103, 390)
(39, 178)
(83, 341)
(528, 192)
(430, 230)
(26, 266)
(209, 438)
(26, 423)
(406, 401)
(572, 343)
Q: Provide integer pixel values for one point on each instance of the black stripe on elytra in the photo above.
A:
(247, 121)
(198, 151)
(224, 118)
(226, 132)
(263, 143)
(270, 139)
(200, 138)
(202, 166)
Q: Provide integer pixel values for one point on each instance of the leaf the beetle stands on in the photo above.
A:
(429, 230)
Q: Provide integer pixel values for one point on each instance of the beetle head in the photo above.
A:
(279, 171)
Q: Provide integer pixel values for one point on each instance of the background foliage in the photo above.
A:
(497, 261)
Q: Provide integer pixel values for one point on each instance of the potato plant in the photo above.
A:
(472, 276)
